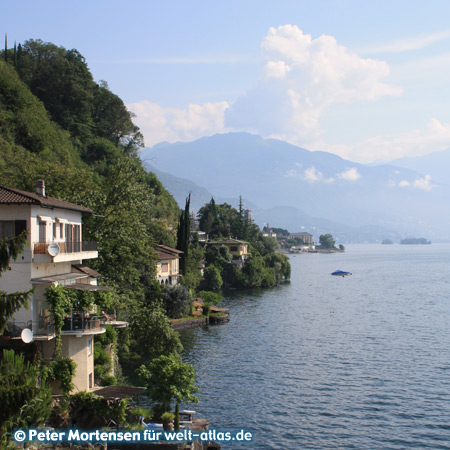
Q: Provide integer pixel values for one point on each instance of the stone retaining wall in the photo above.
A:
(211, 320)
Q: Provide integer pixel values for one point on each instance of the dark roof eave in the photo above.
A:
(29, 198)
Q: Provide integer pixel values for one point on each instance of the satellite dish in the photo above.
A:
(53, 249)
(26, 335)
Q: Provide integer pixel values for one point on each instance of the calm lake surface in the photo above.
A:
(323, 362)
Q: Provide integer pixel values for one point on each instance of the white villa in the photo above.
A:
(55, 255)
(167, 265)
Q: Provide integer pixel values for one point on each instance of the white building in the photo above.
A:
(55, 256)
(307, 238)
(167, 265)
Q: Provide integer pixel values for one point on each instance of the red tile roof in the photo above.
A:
(9, 196)
(167, 249)
(164, 255)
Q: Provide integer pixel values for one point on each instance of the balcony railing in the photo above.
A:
(42, 328)
(41, 248)
(79, 322)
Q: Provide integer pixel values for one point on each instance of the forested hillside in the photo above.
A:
(60, 125)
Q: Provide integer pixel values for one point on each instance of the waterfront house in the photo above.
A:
(167, 265)
(239, 249)
(307, 238)
(268, 232)
(55, 256)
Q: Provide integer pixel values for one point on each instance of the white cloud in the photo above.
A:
(302, 77)
(435, 136)
(424, 183)
(351, 174)
(158, 123)
(412, 43)
(312, 175)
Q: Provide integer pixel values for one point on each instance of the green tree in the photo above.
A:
(193, 275)
(279, 263)
(113, 121)
(253, 272)
(151, 336)
(177, 301)
(183, 235)
(168, 378)
(61, 79)
(24, 402)
(326, 241)
(10, 248)
(213, 278)
(209, 298)
(121, 226)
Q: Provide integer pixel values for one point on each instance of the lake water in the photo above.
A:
(323, 362)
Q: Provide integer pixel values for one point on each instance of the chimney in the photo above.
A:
(40, 187)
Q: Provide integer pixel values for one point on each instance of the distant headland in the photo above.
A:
(414, 241)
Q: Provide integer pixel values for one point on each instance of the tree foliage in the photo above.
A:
(184, 235)
(150, 336)
(25, 403)
(263, 268)
(177, 301)
(327, 242)
(168, 378)
(10, 248)
(213, 278)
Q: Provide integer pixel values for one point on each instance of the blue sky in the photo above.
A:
(366, 80)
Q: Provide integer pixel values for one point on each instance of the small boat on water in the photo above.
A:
(340, 273)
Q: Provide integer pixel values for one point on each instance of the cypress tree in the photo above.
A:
(19, 52)
(184, 234)
(187, 231)
(6, 47)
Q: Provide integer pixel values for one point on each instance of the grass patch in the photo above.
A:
(217, 314)
(184, 319)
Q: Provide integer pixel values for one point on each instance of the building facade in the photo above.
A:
(236, 247)
(306, 237)
(167, 265)
(55, 256)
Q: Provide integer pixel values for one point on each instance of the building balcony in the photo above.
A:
(80, 324)
(64, 251)
(43, 330)
(77, 324)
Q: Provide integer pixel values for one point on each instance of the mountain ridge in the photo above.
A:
(272, 173)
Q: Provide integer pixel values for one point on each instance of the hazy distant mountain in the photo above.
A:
(288, 217)
(435, 164)
(272, 173)
(180, 188)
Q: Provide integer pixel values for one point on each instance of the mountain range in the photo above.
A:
(294, 188)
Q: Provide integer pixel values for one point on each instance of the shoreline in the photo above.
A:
(217, 316)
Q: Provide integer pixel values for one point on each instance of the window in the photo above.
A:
(54, 230)
(233, 249)
(77, 238)
(90, 342)
(42, 232)
(6, 229)
(164, 267)
(91, 381)
(61, 230)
